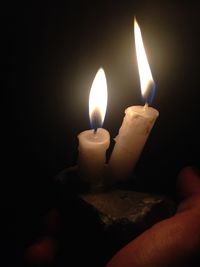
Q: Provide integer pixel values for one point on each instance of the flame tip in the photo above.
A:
(136, 22)
(146, 79)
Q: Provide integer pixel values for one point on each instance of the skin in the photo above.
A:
(173, 242)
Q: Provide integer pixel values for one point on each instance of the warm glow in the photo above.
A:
(98, 98)
(146, 79)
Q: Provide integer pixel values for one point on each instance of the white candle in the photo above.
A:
(94, 143)
(137, 123)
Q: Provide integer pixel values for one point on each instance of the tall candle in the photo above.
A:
(94, 143)
(138, 120)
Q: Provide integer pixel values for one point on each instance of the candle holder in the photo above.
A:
(99, 223)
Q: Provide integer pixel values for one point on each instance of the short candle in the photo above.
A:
(94, 143)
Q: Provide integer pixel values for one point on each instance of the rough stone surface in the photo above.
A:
(117, 205)
(126, 214)
(100, 223)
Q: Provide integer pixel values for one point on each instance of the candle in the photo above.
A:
(94, 143)
(138, 120)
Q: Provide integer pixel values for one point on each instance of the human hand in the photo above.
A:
(174, 241)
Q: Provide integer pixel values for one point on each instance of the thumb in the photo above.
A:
(188, 182)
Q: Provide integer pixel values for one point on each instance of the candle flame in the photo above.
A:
(146, 80)
(98, 99)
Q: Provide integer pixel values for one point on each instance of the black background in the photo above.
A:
(52, 53)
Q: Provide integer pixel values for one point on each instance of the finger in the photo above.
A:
(53, 222)
(188, 182)
(44, 250)
(172, 242)
(41, 252)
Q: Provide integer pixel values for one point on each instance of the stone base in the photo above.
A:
(103, 222)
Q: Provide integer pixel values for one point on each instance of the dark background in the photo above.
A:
(52, 53)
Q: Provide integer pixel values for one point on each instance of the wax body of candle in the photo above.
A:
(92, 155)
(94, 143)
(137, 122)
(135, 129)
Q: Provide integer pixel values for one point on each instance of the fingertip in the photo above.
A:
(42, 252)
(188, 182)
(53, 222)
(190, 170)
